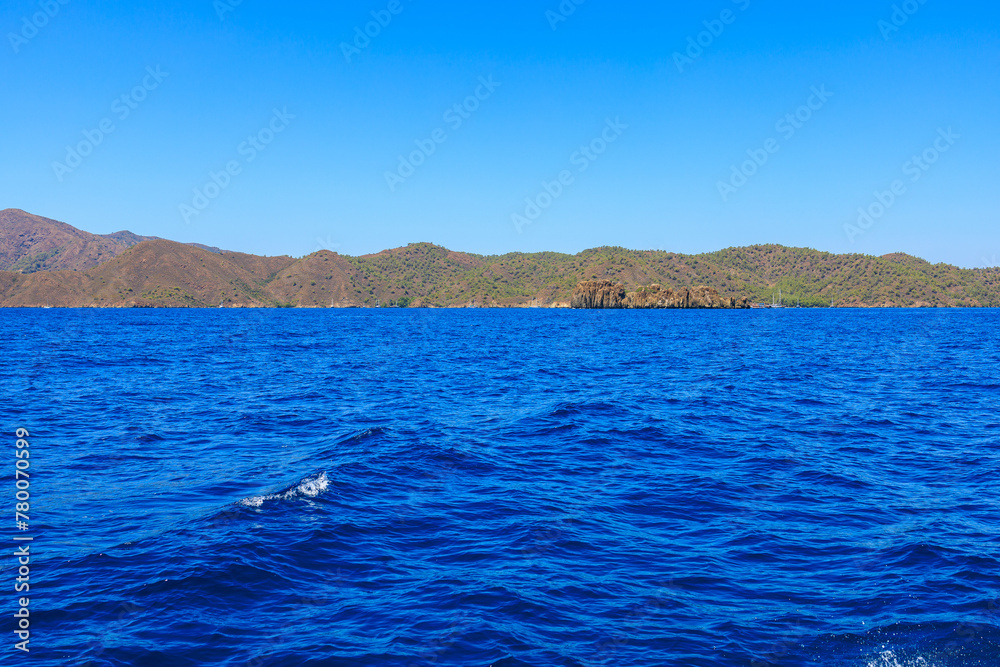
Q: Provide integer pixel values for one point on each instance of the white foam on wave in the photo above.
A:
(310, 487)
(889, 659)
(255, 501)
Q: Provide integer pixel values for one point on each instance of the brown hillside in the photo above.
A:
(152, 274)
(321, 280)
(262, 268)
(30, 243)
(60, 289)
(169, 274)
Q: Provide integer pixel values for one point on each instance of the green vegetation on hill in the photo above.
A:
(167, 274)
(434, 276)
(37, 262)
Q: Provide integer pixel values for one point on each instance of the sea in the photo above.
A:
(502, 488)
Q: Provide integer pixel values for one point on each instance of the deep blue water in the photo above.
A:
(506, 488)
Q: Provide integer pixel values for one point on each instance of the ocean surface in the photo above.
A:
(505, 488)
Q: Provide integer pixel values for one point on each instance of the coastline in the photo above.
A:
(61, 266)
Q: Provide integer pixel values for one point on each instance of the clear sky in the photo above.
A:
(667, 99)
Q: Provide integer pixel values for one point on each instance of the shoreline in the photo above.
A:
(456, 308)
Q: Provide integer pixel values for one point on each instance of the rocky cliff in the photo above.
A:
(599, 294)
(607, 294)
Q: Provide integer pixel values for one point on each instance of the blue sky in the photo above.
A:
(309, 129)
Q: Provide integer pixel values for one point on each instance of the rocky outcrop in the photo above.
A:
(655, 296)
(606, 294)
(599, 294)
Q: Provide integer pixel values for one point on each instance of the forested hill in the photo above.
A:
(53, 264)
(810, 277)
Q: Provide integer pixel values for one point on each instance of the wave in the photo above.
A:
(910, 645)
(309, 487)
(338, 449)
(890, 659)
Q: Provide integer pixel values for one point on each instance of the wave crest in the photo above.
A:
(309, 487)
(889, 659)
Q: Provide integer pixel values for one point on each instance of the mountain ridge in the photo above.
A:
(49, 263)
(31, 243)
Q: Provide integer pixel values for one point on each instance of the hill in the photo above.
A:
(30, 243)
(129, 270)
(156, 273)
